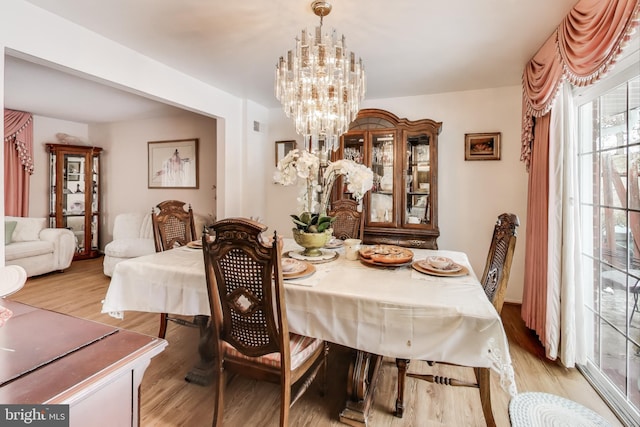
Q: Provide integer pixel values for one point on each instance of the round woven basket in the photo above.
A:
(534, 409)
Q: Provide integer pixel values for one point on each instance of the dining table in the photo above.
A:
(379, 311)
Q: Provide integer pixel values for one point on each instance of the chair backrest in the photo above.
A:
(348, 223)
(173, 226)
(246, 293)
(498, 266)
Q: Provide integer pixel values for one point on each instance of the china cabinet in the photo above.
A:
(74, 201)
(402, 206)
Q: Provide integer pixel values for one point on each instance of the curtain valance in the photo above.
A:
(17, 126)
(582, 48)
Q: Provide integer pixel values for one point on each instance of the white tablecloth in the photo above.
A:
(398, 313)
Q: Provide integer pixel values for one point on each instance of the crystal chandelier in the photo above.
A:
(320, 84)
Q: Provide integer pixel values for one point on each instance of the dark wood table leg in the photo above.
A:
(203, 372)
(402, 365)
(361, 383)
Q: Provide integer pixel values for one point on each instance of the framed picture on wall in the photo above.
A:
(482, 146)
(173, 164)
(283, 148)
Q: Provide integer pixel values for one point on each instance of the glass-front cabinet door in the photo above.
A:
(401, 208)
(74, 198)
(381, 201)
(417, 179)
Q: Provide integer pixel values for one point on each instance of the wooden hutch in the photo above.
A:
(402, 206)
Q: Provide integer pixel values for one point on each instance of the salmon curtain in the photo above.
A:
(18, 161)
(580, 51)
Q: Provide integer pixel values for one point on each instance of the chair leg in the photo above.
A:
(325, 368)
(402, 365)
(218, 409)
(163, 325)
(483, 376)
(285, 399)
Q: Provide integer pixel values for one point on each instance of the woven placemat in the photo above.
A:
(533, 409)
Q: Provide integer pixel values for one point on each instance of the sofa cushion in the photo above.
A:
(129, 248)
(9, 226)
(27, 229)
(19, 250)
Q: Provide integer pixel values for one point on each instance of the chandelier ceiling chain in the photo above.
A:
(320, 84)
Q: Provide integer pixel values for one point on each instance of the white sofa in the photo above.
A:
(37, 248)
(133, 237)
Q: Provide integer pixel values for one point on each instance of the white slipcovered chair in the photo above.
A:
(132, 237)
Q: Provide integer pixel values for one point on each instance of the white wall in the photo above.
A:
(471, 193)
(124, 165)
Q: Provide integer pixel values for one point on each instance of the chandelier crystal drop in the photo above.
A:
(320, 84)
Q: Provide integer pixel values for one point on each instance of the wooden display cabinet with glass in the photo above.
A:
(74, 201)
(401, 208)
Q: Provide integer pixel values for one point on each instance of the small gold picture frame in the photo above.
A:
(283, 148)
(482, 146)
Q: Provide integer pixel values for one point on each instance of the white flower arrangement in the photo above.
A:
(305, 165)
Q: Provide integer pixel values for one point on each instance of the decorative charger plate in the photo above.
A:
(369, 261)
(386, 255)
(195, 244)
(424, 267)
(307, 270)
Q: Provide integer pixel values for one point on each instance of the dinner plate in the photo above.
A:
(334, 244)
(382, 264)
(292, 266)
(195, 244)
(418, 266)
(308, 270)
(453, 267)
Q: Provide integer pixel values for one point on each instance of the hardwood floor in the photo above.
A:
(168, 400)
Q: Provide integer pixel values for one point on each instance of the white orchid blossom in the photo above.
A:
(305, 165)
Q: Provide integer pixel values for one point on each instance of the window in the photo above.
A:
(609, 157)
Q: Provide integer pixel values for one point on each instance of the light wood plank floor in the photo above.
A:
(168, 400)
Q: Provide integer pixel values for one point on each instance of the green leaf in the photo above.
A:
(322, 227)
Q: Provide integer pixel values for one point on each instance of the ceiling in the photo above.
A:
(409, 47)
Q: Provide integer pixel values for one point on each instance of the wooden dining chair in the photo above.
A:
(349, 221)
(173, 226)
(248, 328)
(495, 279)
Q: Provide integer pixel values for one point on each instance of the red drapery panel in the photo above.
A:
(534, 298)
(583, 47)
(18, 161)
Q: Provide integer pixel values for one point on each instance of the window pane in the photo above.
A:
(613, 185)
(634, 375)
(614, 118)
(614, 352)
(634, 177)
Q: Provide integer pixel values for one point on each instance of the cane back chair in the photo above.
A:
(248, 327)
(173, 226)
(494, 281)
(348, 223)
